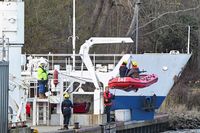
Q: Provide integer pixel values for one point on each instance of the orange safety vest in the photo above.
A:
(107, 99)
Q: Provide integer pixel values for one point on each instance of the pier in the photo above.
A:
(159, 124)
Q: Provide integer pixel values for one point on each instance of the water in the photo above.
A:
(185, 131)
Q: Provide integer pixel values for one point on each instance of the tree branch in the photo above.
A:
(96, 15)
(164, 26)
(171, 12)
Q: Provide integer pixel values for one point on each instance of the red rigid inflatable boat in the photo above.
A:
(128, 83)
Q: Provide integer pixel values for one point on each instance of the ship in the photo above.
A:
(142, 104)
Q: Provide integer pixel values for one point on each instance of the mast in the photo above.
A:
(188, 48)
(74, 37)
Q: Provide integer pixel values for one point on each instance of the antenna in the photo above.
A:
(137, 25)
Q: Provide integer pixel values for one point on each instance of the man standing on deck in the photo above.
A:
(107, 102)
(66, 109)
(42, 77)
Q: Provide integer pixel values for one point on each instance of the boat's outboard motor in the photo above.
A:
(149, 103)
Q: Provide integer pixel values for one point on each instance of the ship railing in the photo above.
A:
(106, 62)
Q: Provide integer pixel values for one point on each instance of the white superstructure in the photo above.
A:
(12, 28)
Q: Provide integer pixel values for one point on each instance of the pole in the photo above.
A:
(188, 47)
(137, 25)
(4, 49)
(74, 36)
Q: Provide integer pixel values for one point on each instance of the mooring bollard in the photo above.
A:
(76, 125)
(102, 128)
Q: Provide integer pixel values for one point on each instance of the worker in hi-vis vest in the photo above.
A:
(42, 77)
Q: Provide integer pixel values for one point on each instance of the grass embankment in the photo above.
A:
(183, 106)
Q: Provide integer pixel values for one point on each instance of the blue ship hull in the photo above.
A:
(137, 107)
(143, 103)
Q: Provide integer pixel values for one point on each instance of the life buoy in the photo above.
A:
(55, 77)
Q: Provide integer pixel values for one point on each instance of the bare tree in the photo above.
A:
(96, 14)
(107, 5)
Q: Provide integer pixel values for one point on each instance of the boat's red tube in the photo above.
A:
(145, 80)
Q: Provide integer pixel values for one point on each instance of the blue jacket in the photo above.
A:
(66, 107)
(123, 70)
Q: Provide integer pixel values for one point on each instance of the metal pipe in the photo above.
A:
(137, 25)
(94, 62)
(188, 47)
(46, 55)
(4, 47)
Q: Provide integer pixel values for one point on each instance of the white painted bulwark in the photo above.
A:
(14, 59)
(123, 115)
(88, 119)
(12, 21)
(98, 102)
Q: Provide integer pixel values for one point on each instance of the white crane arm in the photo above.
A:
(84, 52)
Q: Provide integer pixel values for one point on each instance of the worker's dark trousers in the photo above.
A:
(66, 120)
(42, 84)
(107, 112)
